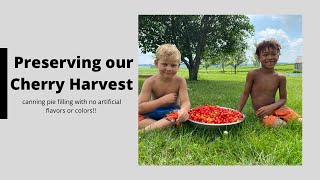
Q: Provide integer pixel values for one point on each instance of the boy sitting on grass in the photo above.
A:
(161, 93)
(262, 85)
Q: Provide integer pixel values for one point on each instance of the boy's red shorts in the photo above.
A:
(285, 113)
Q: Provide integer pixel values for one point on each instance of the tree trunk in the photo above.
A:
(193, 73)
(235, 69)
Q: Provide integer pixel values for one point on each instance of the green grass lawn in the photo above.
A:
(248, 143)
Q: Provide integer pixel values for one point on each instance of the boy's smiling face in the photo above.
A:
(268, 57)
(167, 67)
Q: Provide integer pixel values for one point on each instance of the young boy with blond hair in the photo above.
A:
(161, 93)
(262, 85)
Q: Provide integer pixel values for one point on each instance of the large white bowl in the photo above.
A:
(218, 125)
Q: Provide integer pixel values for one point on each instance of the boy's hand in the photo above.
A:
(169, 98)
(182, 115)
(265, 111)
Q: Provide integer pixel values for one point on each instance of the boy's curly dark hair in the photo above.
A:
(272, 43)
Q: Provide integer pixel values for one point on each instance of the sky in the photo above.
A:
(287, 29)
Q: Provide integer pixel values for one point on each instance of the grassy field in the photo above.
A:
(248, 143)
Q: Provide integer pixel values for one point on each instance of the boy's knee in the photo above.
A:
(145, 122)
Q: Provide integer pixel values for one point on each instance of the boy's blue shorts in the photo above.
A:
(160, 112)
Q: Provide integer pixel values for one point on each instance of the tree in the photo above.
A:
(254, 58)
(237, 59)
(254, 61)
(193, 34)
(206, 65)
(224, 60)
(239, 54)
(215, 58)
(210, 59)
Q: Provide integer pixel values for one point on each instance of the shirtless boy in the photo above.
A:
(161, 93)
(262, 84)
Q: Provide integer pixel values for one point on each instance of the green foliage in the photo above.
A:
(254, 58)
(297, 71)
(206, 65)
(249, 143)
(255, 62)
(238, 59)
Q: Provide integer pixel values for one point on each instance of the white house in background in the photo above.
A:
(298, 64)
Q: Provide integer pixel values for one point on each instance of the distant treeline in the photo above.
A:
(213, 66)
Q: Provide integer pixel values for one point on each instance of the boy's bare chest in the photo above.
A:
(161, 89)
(270, 82)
